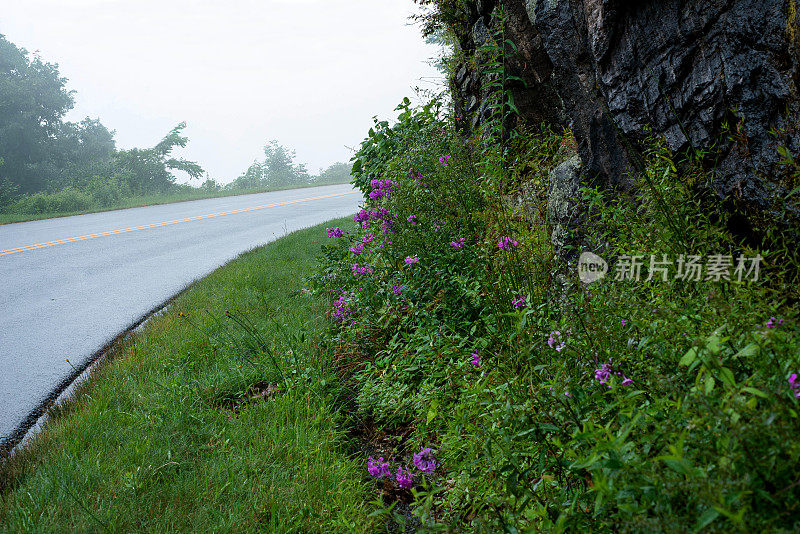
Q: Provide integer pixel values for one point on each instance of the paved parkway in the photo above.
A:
(68, 286)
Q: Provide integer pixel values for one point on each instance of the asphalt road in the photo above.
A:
(69, 286)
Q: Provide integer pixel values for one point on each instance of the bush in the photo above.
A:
(657, 406)
(107, 192)
(68, 200)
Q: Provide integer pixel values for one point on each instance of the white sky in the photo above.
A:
(310, 73)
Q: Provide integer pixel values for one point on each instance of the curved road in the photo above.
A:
(69, 286)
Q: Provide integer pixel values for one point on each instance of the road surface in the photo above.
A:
(69, 286)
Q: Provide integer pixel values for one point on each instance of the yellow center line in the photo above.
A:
(165, 223)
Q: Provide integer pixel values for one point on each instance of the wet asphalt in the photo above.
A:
(69, 286)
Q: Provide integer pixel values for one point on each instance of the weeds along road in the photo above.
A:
(69, 286)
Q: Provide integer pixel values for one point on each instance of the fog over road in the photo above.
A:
(68, 286)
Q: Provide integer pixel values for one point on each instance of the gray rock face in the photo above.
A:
(717, 76)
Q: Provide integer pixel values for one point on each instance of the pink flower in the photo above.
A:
(412, 259)
(520, 302)
(458, 244)
(334, 232)
(412, 219)
(358, 249)
(443, 160)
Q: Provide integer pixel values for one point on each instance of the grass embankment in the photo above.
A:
(189, 426)
(148, 200)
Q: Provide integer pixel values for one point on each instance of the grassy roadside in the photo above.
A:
(190, 427)
(148, 200)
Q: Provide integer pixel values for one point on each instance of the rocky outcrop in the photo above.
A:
(720, 77)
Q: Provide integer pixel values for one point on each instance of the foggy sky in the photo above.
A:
(310, 73)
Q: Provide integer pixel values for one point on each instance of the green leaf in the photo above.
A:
(749, 350)
(709, 384)
(706, 519)
(689, 357)
(756, 392)
(727, 377)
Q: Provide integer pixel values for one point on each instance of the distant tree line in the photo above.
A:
(50, 165)
(279, 170)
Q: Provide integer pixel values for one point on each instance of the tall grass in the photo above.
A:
(192, 425)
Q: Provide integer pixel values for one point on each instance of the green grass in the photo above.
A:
(166, 436)
(150, 200)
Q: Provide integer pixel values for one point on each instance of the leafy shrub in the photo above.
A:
(67, 200)
(651, 406)
(107, 192)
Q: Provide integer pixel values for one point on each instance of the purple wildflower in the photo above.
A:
(772, 322)
(476, 359)
(416, 175)
(624, 322)
(606, 371)
(334, 232)
(368, 238)
(436, 226)
(358, 249)
(358, 272)
(340, 307)
(362, 215)
(381, 188)
(555, 342)
(411, 219)
(412, 259)
(379, 468)
(520, 302)
(794, 383)
(397, 289)
(443, 160)
(424, 460)
(404, 478)
(458, 244)
(506, 243)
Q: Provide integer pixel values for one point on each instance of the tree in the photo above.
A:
(280, 169)
(150, 170)
(33, 101)
(338, 173)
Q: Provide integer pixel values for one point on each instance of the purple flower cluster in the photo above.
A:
(424, 460)
(334, 232)
(378, 468)
(458, 244)
(772, 322)
(404, 478)
(437, 226)
(794, 383)
(381, 188)
(606, 371)
(412, 219)
(397, 289)
(416, 175)
(368, 238)
(506, 243)
(555, 341)
(443, 160)
(358, 272)
(412, 259)
(340, 309)
(520, 302)
(476, 359)
(358, 249)
(377, 214)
